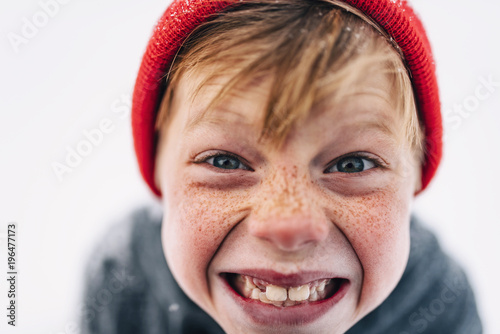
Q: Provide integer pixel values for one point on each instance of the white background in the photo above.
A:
(75, 71)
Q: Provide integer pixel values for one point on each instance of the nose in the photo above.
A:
(288, 214)
(289, 233)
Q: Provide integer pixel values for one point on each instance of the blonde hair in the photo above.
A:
(311, 49)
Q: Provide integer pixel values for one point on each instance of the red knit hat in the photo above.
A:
(182, 16)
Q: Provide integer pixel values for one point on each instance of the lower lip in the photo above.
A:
(270, 315)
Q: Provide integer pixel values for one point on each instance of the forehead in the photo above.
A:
(368, 105)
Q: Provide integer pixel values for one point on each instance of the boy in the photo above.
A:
(287, 140)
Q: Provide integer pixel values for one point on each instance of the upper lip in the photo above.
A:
(294, 279)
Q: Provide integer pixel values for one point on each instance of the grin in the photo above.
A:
(284, 296)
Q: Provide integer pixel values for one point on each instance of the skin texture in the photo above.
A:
(286, 209)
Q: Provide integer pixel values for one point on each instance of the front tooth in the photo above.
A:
(249, 283)
(256, 281)
(255, 293)
(247, 292)
(263, 298)
(299, 293)
(313, 297)
(276, 293)
(259, 283)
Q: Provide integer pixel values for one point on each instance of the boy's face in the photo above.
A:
(245, 222)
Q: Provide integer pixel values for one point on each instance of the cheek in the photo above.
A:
(196, 221)
(377, 226)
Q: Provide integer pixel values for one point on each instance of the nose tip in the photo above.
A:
(290, 233)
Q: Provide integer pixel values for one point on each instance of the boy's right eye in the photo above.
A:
(224, 161)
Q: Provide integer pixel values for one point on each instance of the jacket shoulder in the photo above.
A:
(116, 295)
(433, 295)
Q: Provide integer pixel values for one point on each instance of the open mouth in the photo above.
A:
(284, 295)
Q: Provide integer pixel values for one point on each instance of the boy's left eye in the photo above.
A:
(351, 165)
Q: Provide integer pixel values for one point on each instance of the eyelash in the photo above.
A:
(378, 163)
(205, 158)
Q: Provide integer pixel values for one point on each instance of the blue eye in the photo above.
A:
(352, 165)
(225, 161)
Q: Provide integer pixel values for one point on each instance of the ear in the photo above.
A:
(158, 159)
(418, 178)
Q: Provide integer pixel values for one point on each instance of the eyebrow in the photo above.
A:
(377, 125)
(217, 116)
(207, 116)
